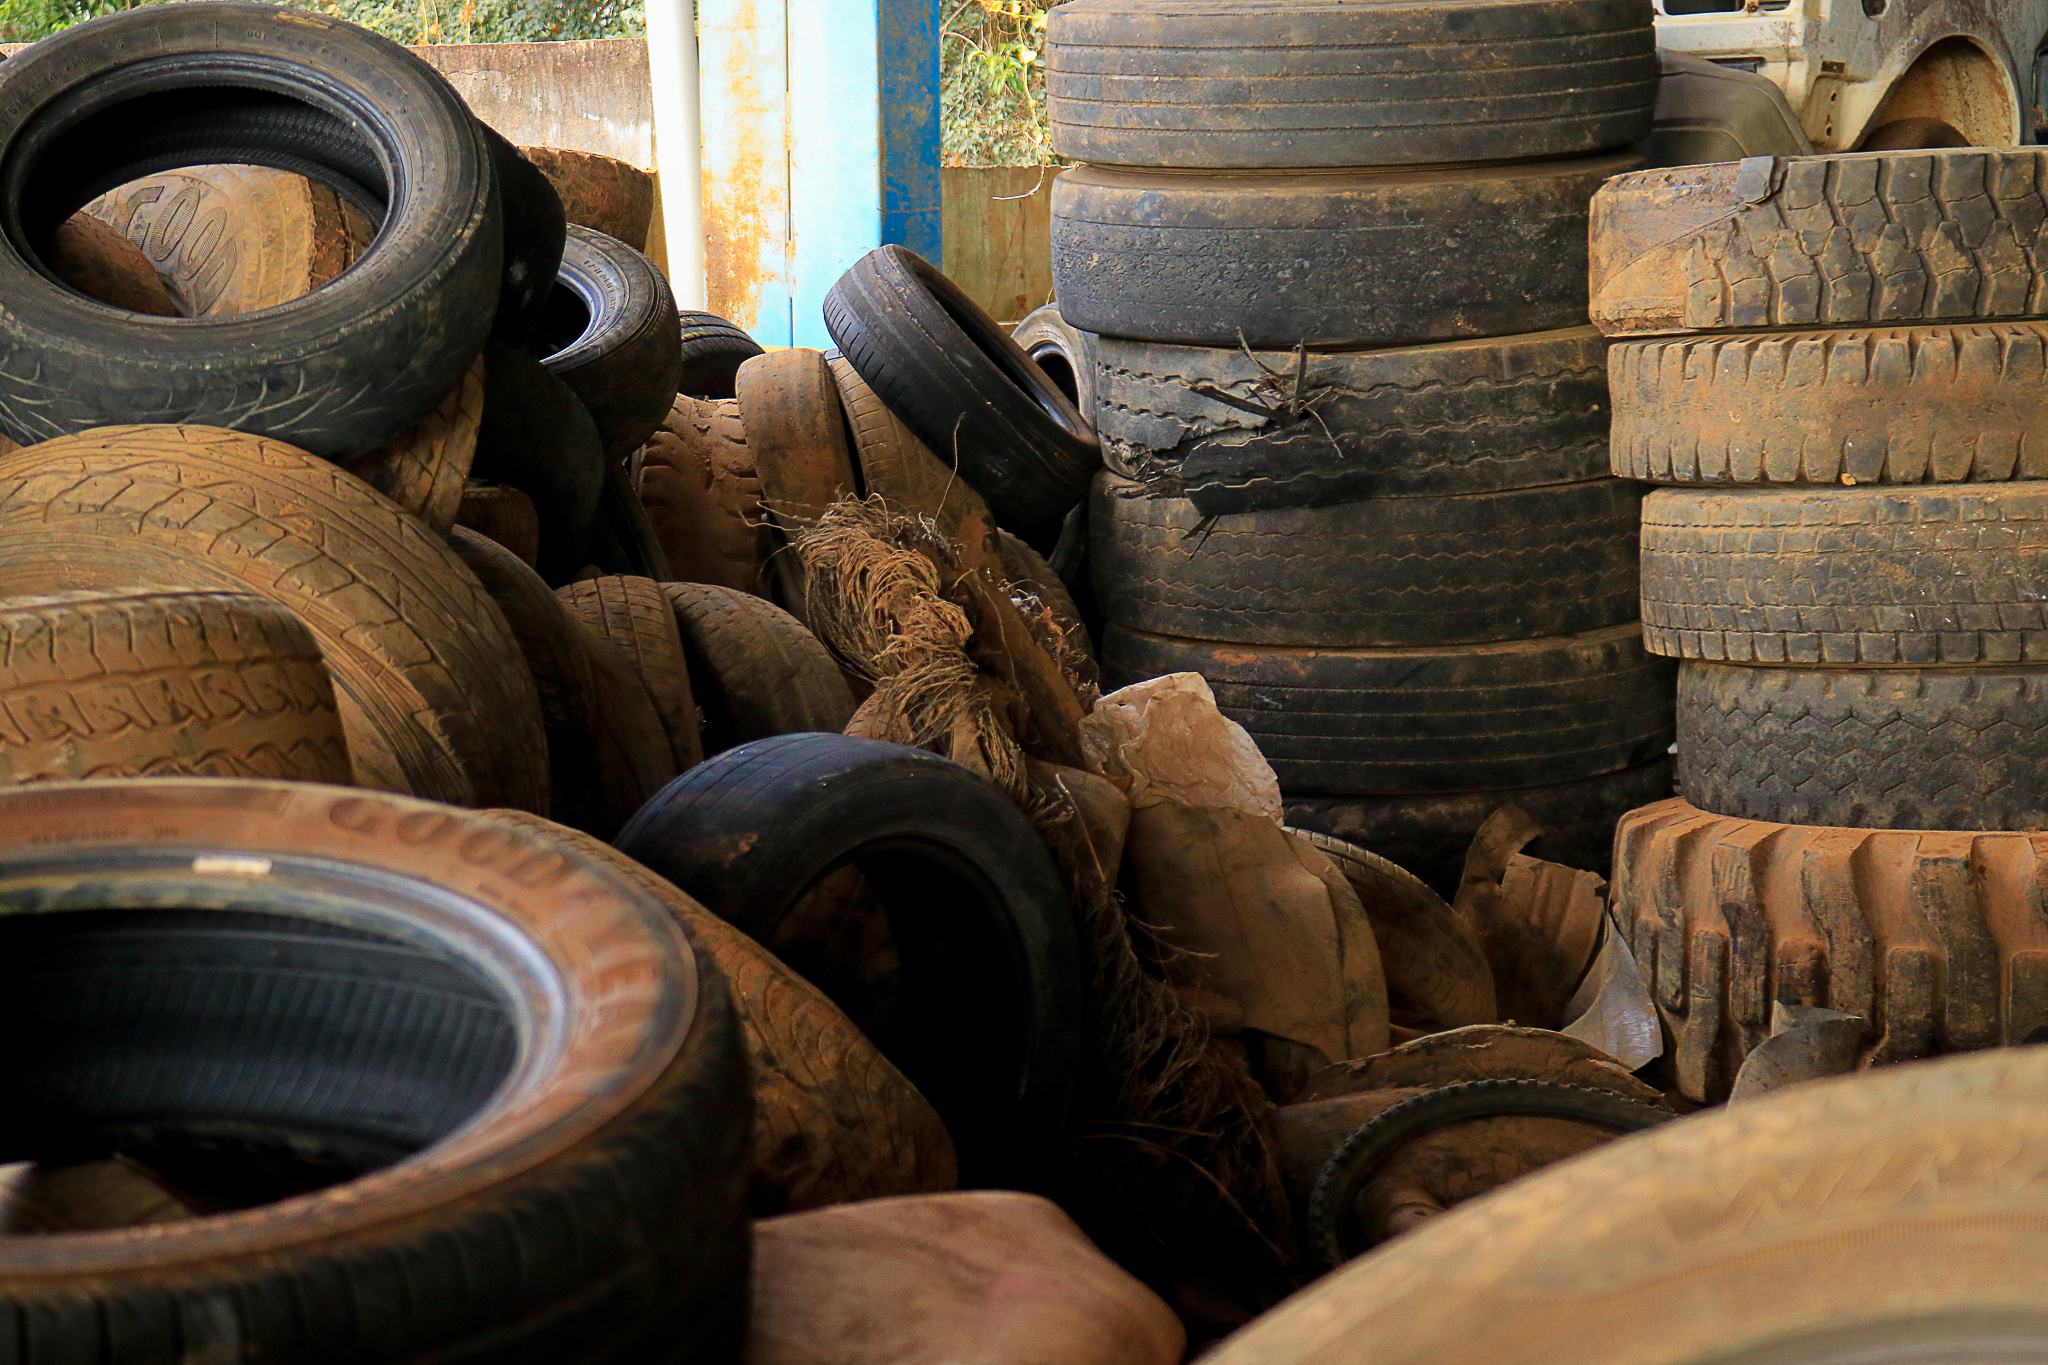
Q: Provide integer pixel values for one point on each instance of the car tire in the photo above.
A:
(713, 351)
(635, 616)
(755, 670)
(609, 332)
(535, 436)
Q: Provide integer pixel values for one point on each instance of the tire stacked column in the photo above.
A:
(1354, 418)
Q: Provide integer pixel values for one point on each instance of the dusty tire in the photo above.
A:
(701, 487)
(500, 512)
(1904, 405)
(1380, 257)
(433, 698)
(1929, 937)
(754, 670)
(423, 470)
(1429, 835)
(1384, 572)
(1920, 575)
(634, 615)
(163, 683)
(1223, 83)
(629, 746)
(609, 332)
(394, 961)
(535, 436)
(1026, 569)
(602, 193)
(990, 971)
(1064, 352)
(1947, 748)
(1421, 421)
(965, 388)
(1407, 721)
(713, 351)
(90, 257)
(337, 372)
(797, 428)
(1838, 240)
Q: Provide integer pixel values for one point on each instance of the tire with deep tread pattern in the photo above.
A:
(1383, 572)
(433, 697)
(609, 332)
(164, 683)
(527, 1043)
(754, 669)
(713, 351)
(634, 615)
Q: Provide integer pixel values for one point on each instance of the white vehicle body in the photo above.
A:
(1852, 67)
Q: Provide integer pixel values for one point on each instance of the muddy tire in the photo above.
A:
(405, 965)
(1381, 257)
(1921, 575)
(609, 332)
(432, 695)
(535, 436)
(163, 683)
(754, 670)
(424, 469)
(602, 193)
(713, 351)
(100, 263)
(500, 512)
(1384, 572)
(1223, 83)
(699, 483)
(1407, 721)
(797, 428)
(634, 615)
(630, 748)
(990, 974)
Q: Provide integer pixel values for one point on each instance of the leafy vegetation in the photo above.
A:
(407, 21)
(992, 83)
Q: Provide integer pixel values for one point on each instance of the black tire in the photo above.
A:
(320, 976)
(1867, 748)
(957, 380)
(535, 228)
(1429, 835)
(990, 971)
(1241, 83)
(713, 351)
(1388, 571)
(337, 372)
(1415, 421)
(1064, 352)
(1333, 1229)
(624, 541)
(1710, 112)
(536, 437)
(1920, 575)
(1379, 257)
(1409, 721)
(755, 671)
(609, 332)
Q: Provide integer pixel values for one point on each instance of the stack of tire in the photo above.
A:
(1324, 266)
(1827, 361)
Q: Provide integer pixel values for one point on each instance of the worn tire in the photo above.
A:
(424, 468)
(380, 978)
(535, 230)
(609, 332)
(433, 699)
(536, 436)
(713, 351)
(164, 683)
(631, 749)
(1409, 721)
(1386, 256)
(1920, 575)
(634, 615)
(337, 372)
(990, 972)
(500, 512)
(1419, 421)
(754, 670)
(1838, 240)
(599, 192)
(1257, 85)
(1384, 572)
(1064, 352)
(798, 429)
(967, 390)
(1930, 938)
(1940, 748)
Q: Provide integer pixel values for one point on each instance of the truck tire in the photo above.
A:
(336, 372)
(374, 982)
(635, 616)
(609, 332)
(754, 670)
(1414, 721)
(1382, 572)
(433, 698)
(1240, 83)
(1387, 256)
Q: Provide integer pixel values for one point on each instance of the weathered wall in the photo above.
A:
(589, 96)
(999, 235)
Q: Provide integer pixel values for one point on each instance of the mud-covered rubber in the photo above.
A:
(630, 748)
(609, 332)
(1409, 721)
(424, 468)
(755, 671)
(500, 512)
(1876, 748)
(713, 351)
(1387, 256)
(321, 971)
(967, 390)
(989, 1025)
(1901, 405)
(432, 695)
(156, 682)
(1383, 572)
(600, 192)
(536, 436)
(1254, 84)
(1922, 575)
(635, 616)
(336, 372)
(1239, 433)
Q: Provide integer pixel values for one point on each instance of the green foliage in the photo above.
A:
(407, 21)
(992, 84)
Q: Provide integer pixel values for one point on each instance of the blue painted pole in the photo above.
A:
(910, 127)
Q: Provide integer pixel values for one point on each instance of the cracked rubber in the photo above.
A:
(635, 616)
(1935, 939)
(1840, 240)
(754, 669)
(1924, 748)
(164, 683)
(1902, 405)
(1408, 721)
(1252, 83)
(1388, 256)
(1384, 572)
(1922, 575)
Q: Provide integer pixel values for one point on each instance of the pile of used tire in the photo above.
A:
(1321, 281)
